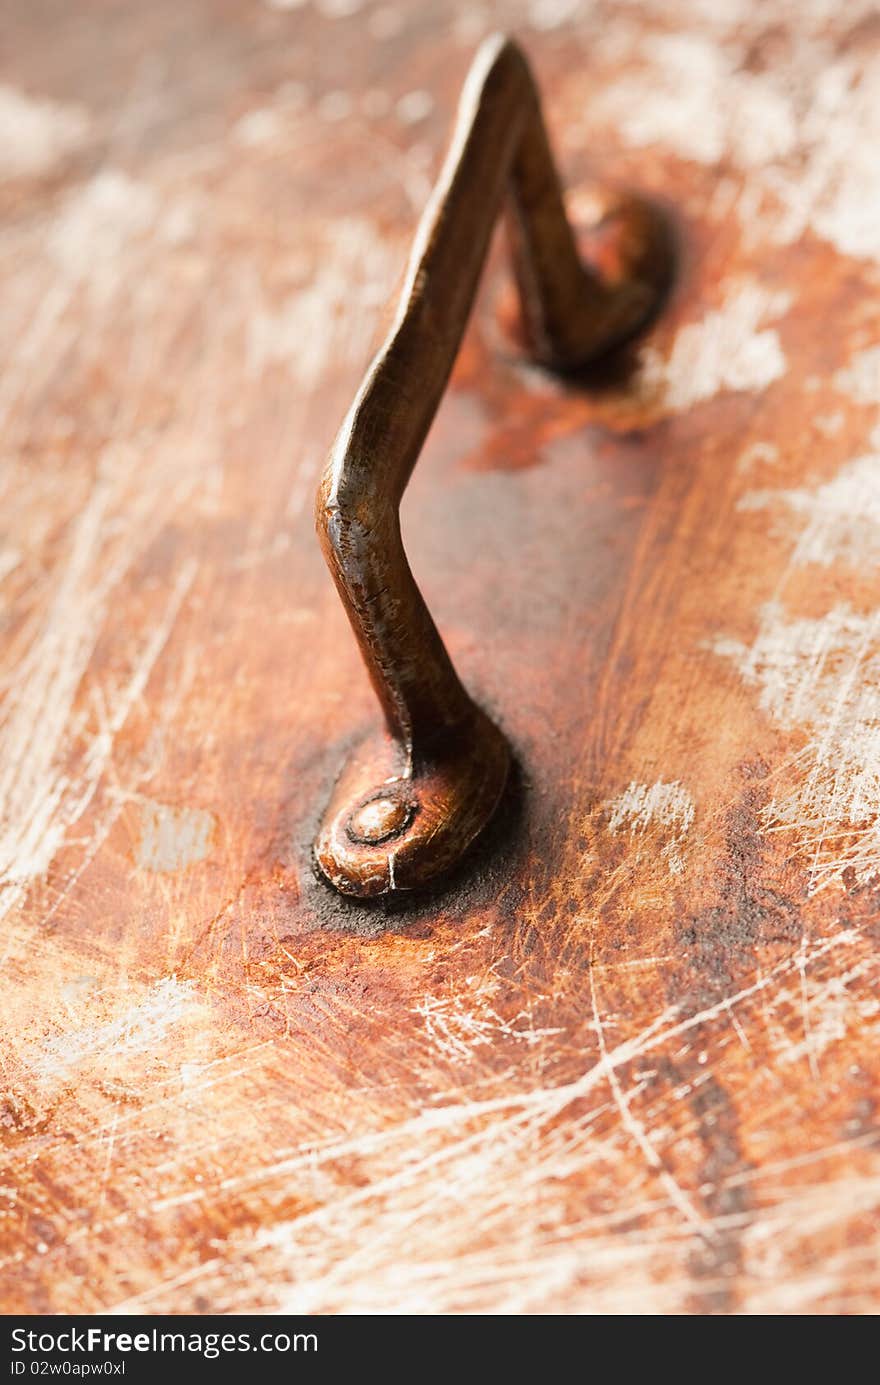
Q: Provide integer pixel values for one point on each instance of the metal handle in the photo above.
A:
(412, 799)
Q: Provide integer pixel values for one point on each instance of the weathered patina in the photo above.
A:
(628, 1059)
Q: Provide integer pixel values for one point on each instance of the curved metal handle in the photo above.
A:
(411, 800)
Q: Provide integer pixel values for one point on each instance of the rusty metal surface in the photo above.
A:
(628, 1063)
(412, 800)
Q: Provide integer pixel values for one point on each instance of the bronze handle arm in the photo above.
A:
(411, 800)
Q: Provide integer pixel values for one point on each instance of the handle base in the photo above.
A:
(389, 828)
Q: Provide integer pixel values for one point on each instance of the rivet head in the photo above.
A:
(379, 819)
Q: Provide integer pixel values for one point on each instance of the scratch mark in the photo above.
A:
(824, 675)
(137, 1030)
(172, 838)
(635, 1128)
(730, 349)
(659, 810)
(37, 134)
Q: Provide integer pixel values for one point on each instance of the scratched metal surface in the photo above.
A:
(629, 1061)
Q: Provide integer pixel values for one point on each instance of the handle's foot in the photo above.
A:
(629, 245)
(385, 831)
(626, 247)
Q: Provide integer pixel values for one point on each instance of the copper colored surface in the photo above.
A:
(444, 763)
(629, 1059)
